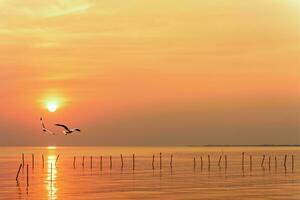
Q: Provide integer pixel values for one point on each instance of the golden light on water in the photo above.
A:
(51, 177)
(51, 147)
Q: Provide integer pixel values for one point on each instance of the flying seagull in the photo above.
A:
(67, 130)
(44, 127)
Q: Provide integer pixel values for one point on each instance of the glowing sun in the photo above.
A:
(52, 107)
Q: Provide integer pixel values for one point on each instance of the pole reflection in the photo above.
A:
(51, 177)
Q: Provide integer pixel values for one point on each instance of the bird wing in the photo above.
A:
(43, 125)
(64, 126)
(75, 129)
(49, 131)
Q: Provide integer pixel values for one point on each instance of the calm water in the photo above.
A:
(182, 181)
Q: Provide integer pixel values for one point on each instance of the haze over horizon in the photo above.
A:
(150, 72)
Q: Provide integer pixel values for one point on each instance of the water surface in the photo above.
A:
(181, 181)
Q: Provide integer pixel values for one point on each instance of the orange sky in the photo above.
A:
(150, 72)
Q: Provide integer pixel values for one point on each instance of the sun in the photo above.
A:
(52, 107)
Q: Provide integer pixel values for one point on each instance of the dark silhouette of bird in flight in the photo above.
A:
(45, 130)
(68, 130)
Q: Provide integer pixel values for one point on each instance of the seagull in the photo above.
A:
(67, 130)
(44, 128)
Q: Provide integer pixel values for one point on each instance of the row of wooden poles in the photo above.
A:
(22, 165)
(160, 162)
(269, 161)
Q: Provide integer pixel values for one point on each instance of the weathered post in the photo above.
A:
(74, 162)
(171, 161)
(208, 158)
(284, 164)
(43, 160)
(122, 163)
(110, 159)
(82, 161)
(23, 160)
(220, 158)
(153, 161)
(133, 162)
(27, 178)
(263, 160)
(160, 161)
(18, 172)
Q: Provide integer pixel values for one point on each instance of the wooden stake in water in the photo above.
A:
(133, 161)
(74, 162)
(220, 158)
(250, 162)
(225, 161)
(171, 161)
(91, 165)
(284, 164)
(208, 159)
(153, 161)
(56, 159)
(160, 160)
(43, 160)
(122, 163)
(201, 162)
(18, 172)
(243, 159)
(110, 159)
(100, 162)
(275, 162)
(194, 163)
(23, 160)
(269, 162)
(51, 172)
(263, 160)
(82, 161)
(292, 162)
(32, 159)
(27, 178)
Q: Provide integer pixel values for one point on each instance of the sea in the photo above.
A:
(208, 173)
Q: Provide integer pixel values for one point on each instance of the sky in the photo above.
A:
(150, 72)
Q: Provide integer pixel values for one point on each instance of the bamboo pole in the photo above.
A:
(43, 160)
(201, 162)
(110, 163)
(122, 163)
(74, 162)
(284, 164)
(27, 178)
(269, 162)
(153, 161)
(171, 161)
(208, 159)
(82, 161)
(51, 172)
(18, 172)
(225, 161)
(250, 162)
(100, 162)
(91, 162)
(133, 162)
(220, 158)
(194, 163)
(56, 159)
(275, 162)
(263, 160)
(243, 159)
(292, 162)
(160, 160)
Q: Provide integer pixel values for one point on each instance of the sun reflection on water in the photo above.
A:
(51, 177)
